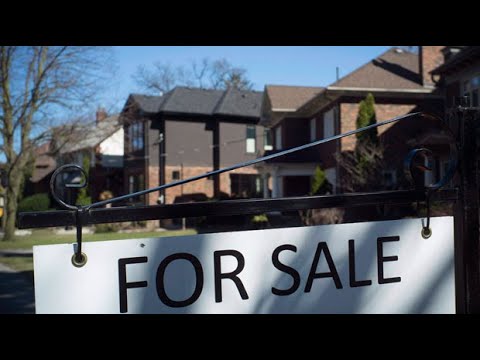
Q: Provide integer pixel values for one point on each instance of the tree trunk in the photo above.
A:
(11, 208)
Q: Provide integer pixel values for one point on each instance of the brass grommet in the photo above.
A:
(426, 232)
(82, 262)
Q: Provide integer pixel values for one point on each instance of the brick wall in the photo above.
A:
(203, 186)
(348, 119)
(152, 181)
(430, 57)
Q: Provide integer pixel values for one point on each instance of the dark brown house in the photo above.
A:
(400, 82)
(190, 131)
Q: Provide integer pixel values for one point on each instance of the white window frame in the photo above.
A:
(250, 142)
(267, 135)
(278, 138)
(329, 124)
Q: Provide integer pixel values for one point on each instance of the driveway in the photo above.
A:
(16, 292)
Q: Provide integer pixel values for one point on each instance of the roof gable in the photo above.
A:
(191, 100)
(394, 69)
(290, 98)
(207, 102)
(97, 132)
(240, 103)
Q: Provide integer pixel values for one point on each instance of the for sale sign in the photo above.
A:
(375, 267)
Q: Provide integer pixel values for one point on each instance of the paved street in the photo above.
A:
(16, 292)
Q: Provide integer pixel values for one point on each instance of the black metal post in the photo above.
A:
(161, 157)
(467, 239)
(216, 158)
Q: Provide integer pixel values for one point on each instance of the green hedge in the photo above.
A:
(37, 202)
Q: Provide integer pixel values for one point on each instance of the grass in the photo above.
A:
(47, 237)
(19, 263)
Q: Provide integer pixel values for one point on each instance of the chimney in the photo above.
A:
(101, 114)
(429, 57)
(450, 51)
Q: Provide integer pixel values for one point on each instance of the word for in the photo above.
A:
(322, 252)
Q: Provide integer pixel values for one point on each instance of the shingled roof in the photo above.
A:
(290, 98)
(97, 132)
(196, 101)
(147, 103)
(394, 69)
(462, 59)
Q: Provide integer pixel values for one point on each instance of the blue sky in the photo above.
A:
(284, 65)
(280, 65)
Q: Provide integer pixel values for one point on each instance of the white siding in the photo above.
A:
(113, 145)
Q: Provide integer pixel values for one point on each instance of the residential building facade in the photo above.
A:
(101, 142)
(400, 82)
(188, 132)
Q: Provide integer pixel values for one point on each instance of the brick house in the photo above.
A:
(287, 129)
(400, 82)
(190, 131)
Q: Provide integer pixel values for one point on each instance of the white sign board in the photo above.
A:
(375, 267)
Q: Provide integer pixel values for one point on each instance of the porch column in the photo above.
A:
(276, 191)
(265, 177)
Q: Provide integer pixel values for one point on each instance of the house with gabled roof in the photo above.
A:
(191, 131)
(400, 82)
(101, 141)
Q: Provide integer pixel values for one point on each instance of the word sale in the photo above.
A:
(322, 254)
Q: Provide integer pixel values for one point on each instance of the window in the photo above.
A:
(313, 129)
(278, 137)
(251, 137)
(136, 183)
(175, 175)
(331, 175)
(471, 88)
(429, 175)
(135, 134)
(328, 124)
(389, 178)
(245, 185)
(267, 139)
(444, 164)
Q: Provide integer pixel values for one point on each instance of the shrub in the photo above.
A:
(262, 218)
(83, 199)
(106, 228)
(37, 202)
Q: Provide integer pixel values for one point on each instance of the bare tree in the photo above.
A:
(205, 74)
(35, 82)
(162, 78)
(361, 168)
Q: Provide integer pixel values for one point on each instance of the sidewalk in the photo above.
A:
(16, 292)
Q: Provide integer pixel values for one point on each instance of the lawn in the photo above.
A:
(47, 237)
